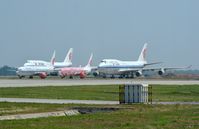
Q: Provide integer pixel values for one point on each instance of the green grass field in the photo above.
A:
(99, 92)
(130, 116)
(186, 93)
(7, 108)
(21, 108)
(138, 116)
(63, 92)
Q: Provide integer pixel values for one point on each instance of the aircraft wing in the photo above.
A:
(129, 70)
(94, 67)
(154, 63)
(165, 68)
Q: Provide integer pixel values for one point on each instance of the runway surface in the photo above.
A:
(57, 101)
(97, 102)
(73, 82)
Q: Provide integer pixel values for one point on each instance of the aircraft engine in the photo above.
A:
(61, 74)
(95, 74)
(138, 73)
(43, 75)
(82, 75)
(161, 72)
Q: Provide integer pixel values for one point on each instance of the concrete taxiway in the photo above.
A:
(58, 101)
(74, 82)
(96, 102)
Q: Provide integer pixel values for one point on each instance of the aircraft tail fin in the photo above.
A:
(52, 61)
(69, 56)
(142, 57)
(90, 61)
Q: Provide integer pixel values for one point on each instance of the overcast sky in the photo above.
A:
(32, 29)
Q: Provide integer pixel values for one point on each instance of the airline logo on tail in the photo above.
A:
(69, 55)
(90, 61)
(144, 53)
(53, 59)
(142, 57)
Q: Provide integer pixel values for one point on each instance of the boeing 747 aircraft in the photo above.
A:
(42, 69)
(114, 67)
(77, 71)
(66, 63)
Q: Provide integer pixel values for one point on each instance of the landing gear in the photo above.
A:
(30, 77)
(62, 77)
(20, 77)
(82, 77)
(122, 76)
(131, 76)
(112, 76)
(71, 77)
(127, 76)
(104, 76)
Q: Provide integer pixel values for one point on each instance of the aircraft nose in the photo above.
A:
(101, 64)
(20, 69)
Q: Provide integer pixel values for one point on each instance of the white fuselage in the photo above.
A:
(62, 64)
(57, 65)
(112, 66)
(30, 69)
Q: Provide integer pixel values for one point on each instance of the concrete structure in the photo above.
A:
(134, 93)
(40, 115)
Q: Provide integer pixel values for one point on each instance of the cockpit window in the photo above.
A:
(103, 61)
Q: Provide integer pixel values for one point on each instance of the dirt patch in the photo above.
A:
(89, 110)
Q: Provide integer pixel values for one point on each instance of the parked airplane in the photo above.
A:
(77, 71)
(42, 69)
(114, 67)
(66, 63)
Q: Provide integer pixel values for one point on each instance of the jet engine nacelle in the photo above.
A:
(96, 73)
(138, 73)
(43, 75)
(161, 72)
(82, 75)
(61, 74)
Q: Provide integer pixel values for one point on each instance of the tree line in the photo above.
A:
(7, 71)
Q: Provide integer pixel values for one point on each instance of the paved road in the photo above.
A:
(68, 82)
(98, 102)
(57, 101)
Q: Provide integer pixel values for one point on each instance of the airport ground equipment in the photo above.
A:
(135, 93)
